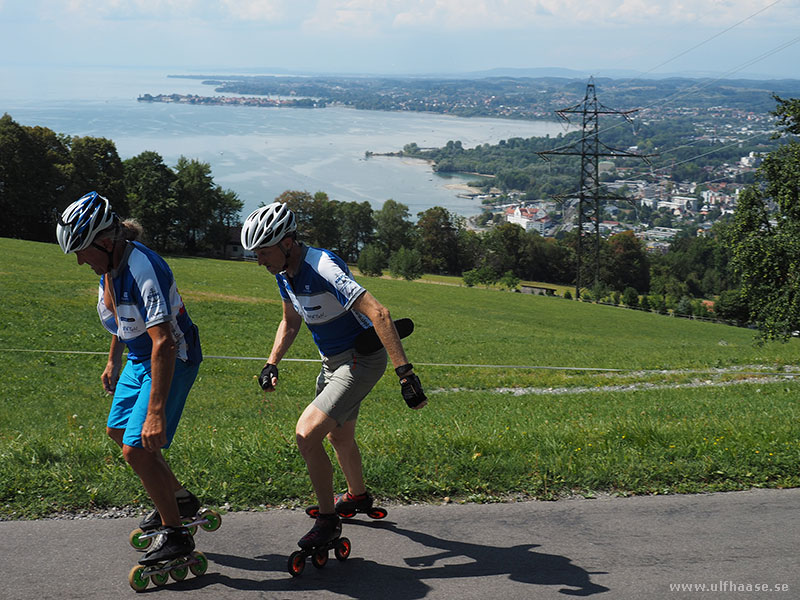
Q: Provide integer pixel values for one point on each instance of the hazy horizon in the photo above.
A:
(732, 39)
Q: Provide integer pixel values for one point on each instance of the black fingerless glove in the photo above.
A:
(410, 386)
(265, 379)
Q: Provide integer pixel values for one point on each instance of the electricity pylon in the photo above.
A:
(589, 194)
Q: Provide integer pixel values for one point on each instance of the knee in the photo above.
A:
(305, 442)
(342, 441)
(134, 456)
(115, 434)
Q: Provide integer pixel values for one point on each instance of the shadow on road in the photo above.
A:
(365, 579)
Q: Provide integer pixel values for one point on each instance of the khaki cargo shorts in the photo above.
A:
(345, 380)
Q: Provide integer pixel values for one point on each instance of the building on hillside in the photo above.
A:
(530, 219)
(233, 247)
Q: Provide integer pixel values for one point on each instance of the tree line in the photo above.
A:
(750, 265)
(42, 172)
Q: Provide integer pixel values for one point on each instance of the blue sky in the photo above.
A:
(735, 38)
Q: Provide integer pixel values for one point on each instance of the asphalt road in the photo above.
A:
(611, 548)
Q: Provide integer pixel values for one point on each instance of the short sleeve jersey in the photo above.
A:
(323, 292)
(146, 295)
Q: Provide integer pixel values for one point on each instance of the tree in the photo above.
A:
(356, 226)
(630, 297)
(766, 234)
(35, 168)
(731, 306)
(437, 241)
(509, 281)
(406, 263)
(505, 247)
(628, 265)
(371, 260)
(149, 184)
(97, 167)
(392, 226)
(204, 211)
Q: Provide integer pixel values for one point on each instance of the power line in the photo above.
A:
(713, 37)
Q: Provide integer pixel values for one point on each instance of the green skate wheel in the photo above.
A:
(214, 520)
(201, 566)
(137, 582)
(160, 578)
(179, 573)
(135, 540)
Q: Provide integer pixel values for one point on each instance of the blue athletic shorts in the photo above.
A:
(132, 397)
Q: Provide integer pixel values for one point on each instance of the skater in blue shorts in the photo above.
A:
(139, 305)
(317, 288)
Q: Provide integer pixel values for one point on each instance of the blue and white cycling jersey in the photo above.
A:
(146, 295)
(322, 292)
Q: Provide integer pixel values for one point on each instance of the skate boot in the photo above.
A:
(191, 516)
(348, 505)
(187, 507)
(170, 543)
(326, 529)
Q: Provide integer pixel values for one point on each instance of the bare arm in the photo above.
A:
(110, 375)
(287, 331)
(367, 305)
(162, 365)
(381, 319)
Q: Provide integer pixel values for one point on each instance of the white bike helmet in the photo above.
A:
(268, 225)
(82, 220)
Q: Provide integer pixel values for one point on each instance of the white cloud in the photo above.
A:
(258, 10)
(519, 14)
(358, 16)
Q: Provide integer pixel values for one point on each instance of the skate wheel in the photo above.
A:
(297, 562)
(179, 573)
(377, 513)
(136, 580)
(320, 558)
(160, 578)
(346, 515)
(134, 539)
(201, 566)
(214, 520)
(192, 529)
(313, 511)
(342, 549)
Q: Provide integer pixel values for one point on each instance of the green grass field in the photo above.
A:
(684, 411)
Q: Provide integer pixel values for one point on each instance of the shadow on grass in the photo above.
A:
(365, 579)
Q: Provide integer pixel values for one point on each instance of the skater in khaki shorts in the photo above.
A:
(354, 332)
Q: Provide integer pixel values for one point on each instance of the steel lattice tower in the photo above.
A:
(589, 194)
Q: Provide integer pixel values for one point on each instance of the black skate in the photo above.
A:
(347, 506)
(324, 536)
(191, 517)
(178, 569)
(171, 543)
(187, 507)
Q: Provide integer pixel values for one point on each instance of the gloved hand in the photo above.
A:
(267, 374)
(410, 386)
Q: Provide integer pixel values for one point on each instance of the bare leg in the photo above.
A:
(312, 427)
(344, 443)
(117, 434)
(158, 481)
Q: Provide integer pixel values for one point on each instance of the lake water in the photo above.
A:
(258, 152)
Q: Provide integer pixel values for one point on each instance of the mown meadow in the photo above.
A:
(530, 397)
